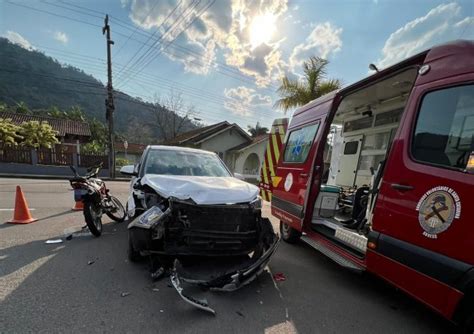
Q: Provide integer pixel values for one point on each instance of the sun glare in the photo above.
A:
(262, 29)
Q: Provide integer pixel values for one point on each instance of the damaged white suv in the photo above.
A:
(189, 209)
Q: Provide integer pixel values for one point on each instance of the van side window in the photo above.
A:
(351, 147)
(299, 144)
(444, 131)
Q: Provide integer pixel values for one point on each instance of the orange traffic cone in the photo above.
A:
(79, 206)
(22, 214)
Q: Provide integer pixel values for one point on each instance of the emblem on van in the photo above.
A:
(288, 182)
(437, 209)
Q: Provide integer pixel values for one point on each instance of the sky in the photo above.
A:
(227, 57)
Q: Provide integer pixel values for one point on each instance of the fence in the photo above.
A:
(59, 155)
(87, 160)
(55, 158)
(15, 154)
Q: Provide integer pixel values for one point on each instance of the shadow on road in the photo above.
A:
(77, 285)
(57, 215)
(52, 287)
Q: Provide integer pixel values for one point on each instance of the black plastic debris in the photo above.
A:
(199, 303)
(158, 274)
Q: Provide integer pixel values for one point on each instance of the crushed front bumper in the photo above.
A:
(228, 276)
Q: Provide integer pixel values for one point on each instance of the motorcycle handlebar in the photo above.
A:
(73, 170)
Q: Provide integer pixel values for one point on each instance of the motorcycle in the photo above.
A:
(96, 198)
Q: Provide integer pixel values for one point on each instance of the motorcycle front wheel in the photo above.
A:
(116, 211)
(93, 217)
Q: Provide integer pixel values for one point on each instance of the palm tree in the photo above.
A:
(296, 93)
(257, 130)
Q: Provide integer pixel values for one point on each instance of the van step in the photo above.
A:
(332, 255)
(346, 236)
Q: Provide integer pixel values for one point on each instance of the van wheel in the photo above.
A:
(289, 234)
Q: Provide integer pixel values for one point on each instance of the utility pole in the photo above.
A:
(109, 102)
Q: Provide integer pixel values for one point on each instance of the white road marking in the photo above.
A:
(14, 209)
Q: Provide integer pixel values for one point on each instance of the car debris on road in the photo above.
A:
(54, 241)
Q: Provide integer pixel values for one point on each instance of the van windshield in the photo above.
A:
(168, 162)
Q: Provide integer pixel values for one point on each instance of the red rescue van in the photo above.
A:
(379, 177)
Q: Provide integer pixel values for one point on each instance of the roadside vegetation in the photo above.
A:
(297, 92)
(32, 134)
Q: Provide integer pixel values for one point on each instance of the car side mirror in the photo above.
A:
(239, 176)
(128, 170)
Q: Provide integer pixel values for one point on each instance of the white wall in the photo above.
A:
(258, 149)
(223, 142)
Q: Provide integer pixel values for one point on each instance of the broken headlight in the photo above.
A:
(150, 218)
(256, 204)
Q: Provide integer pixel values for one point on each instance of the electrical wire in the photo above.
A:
(183, 49)
(170, 29)
(152, 35)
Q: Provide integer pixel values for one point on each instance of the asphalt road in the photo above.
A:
(52, 288)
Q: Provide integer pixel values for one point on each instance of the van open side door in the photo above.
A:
(296, 166)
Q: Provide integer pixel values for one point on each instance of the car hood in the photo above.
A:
(202, 189)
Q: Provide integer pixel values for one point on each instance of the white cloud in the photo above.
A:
(61, 37)
(240, 100)
(324, 40)
(441, 24)
(224, 26)
(18, 39)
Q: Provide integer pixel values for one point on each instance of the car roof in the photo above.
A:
(178, 148)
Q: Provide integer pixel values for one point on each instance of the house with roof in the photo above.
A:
(241, 153)
(220, 138)
(69, 131)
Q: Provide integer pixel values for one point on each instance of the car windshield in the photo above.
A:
(168, 162)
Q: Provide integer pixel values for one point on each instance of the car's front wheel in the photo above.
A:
(289, 234)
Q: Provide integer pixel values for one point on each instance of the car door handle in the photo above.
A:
(305, 175)
(402, 187)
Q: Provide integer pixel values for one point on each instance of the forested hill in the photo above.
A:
(42, 82)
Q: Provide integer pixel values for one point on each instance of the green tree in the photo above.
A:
(75, 113)
(257, 130)
(22, 108)
(38, 134)
(55, 112)
(99, 138)
(9, 133)
(296, 93)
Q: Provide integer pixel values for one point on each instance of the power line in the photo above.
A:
(170, 84)
(52, 13)
(151, 36)
(170, 42)
(183, 49)
(86, 84)
(183, 16)
(121, 34)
